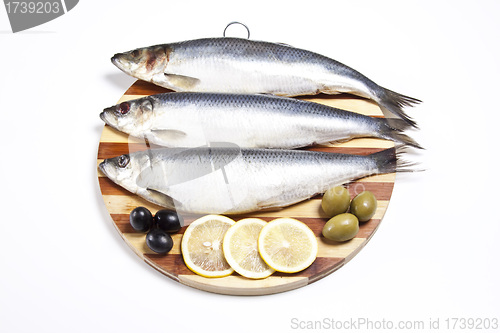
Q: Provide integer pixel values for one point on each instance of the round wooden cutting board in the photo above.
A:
(331, 255)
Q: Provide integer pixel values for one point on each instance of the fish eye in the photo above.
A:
(135, 53)
(123, 161)
(124, 107)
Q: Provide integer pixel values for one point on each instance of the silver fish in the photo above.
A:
(236, 65)
(227, 179)
(187, 119)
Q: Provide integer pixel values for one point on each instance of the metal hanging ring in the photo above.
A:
(236, 22)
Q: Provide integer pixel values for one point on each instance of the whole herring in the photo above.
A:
(227, 179)
(189, 119)
(235, 65)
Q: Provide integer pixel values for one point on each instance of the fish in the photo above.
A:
(238, 65)
(223, 178)
(191, 119)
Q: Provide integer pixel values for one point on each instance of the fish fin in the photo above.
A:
(389, 160)
(284, 44)
(167, 135)
(269, 209)
(163, 199)
(181, 82)
(391, 129)
(333, 142)
(392, 104)
(405, 139)
(276, 203)
(397, 124)
(269, 205)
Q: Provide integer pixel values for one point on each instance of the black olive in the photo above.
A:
(168, 220)
(159, 241)
(141, 219)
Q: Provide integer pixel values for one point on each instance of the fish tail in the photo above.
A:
(397, 124)
(393, 103)
(389, 160)
(391, 129)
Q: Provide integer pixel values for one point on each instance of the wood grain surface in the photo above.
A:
(331, 255)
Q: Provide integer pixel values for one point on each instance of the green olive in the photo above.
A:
(335, 201)
(364, 206)
(341, 227)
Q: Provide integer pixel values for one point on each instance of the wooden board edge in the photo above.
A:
(233, 284)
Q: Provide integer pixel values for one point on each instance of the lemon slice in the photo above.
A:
(241, 250)
(201, 246)
(287, 245)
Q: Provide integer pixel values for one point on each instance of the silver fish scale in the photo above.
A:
(191, 119)
(266, 103)
(245, 66)
(243, 47)
(222, 180)
(267, 178)
(259, 50)
(236, 65)
(221, 99)
(299, 157)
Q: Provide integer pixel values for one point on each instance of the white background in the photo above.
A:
(64, 268)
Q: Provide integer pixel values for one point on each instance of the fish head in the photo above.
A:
(132, 117)
(124, 169)
(142, 63)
